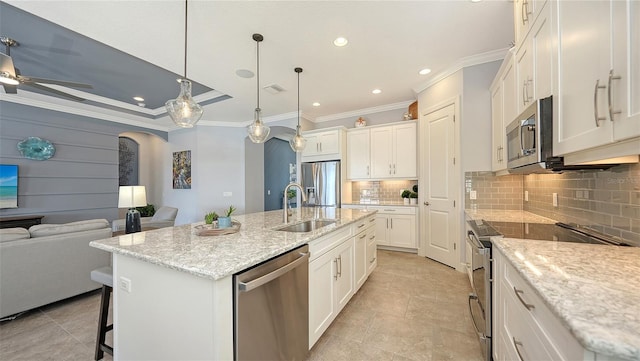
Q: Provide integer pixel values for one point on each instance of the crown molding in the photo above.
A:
(360, 112)
(477, 59)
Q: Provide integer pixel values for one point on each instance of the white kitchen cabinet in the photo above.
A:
(344, 279)
(596, 99)
(326, 144)
(358, 154)
(372, 250)
(396, 227)
(525, 13)
(393, 151)
(503, 110)
(534, 62)
(365, 231)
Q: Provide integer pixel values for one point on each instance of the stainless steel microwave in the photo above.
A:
(530, 138)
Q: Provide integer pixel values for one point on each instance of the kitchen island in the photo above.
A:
(173, 289)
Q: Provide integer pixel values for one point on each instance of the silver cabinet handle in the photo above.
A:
(372, 260)
(364, 235)
(390, 168)
(516, 344)
(367, 170)
(320, 146)
(372, 220)
(387, 222)
(340, 268)
(391, 223)
(372, 237)
(389, 210)
(612, 77)
(473, 297)
(525, 11)
(525, 97)
(248, 286)
(394, 168)
(426, 203)
(335, 276)
(528, 306)
(360, 226)
(595, 103)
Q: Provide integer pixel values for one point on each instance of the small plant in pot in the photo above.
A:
(413, 198)
(210, 217)
(406, 194)
(225, 222)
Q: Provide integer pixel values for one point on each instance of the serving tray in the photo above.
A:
(213, 230)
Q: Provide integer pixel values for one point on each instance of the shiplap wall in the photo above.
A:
(80, 181)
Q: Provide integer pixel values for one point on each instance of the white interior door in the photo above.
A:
(438, 231)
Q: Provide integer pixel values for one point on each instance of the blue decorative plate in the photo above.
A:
(36, 148)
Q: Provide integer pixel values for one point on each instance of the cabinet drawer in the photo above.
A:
(394, 210)
(319, 246)
(363, 224)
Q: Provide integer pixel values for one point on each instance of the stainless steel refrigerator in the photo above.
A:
(321, 182)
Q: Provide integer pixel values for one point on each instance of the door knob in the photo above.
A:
(426, 203)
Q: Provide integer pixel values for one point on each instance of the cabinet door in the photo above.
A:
(583, 61)
(382, 225)
(404, 146)
(381, 152)
(345, 281)
(402, 231)
(509, 101)
(360, 265)
(358, 154)
(322, 305)
(542, 56)
(625, 92)
(498, 137)
(372, 250)
(524, 76)
(329, 142)
(312, 147)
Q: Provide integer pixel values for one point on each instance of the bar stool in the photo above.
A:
(104, 276)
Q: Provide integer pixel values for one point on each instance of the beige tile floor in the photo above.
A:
(411, 308)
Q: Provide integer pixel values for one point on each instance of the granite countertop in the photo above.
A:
(498, 215)
(593, 289)
(215, 257)
(380, 203)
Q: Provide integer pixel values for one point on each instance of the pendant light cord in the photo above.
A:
(258, 72)
(298, 99)
(186, 6)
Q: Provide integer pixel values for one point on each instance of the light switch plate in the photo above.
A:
(555, 199)
(227, 194)
(125, 284)
(526, 196)
(473, 195)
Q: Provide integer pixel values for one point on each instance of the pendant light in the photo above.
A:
(183, 110)
(298, 142)
(258, 131)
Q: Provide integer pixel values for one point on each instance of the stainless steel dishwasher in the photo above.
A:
(271, 309)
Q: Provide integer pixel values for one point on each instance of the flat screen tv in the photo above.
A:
(8, 186)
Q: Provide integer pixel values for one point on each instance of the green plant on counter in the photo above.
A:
(210, 217)
(413, 195)
(230, 210)
(291, 193)
(415, 188)
(147, 211)
(406, 194)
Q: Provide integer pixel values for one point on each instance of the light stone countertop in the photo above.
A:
(497, 215)
(215, 257)
(380, 204)
(594, 290)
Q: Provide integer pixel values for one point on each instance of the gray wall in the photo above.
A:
(277, 157)
(80, 181)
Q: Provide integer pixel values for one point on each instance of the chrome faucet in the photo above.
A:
(284, 200)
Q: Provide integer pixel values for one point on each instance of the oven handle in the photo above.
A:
(473, 297)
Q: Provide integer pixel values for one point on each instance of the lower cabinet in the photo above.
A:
(339, 266)
(396, 227)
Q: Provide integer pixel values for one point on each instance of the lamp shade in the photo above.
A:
(132, 196)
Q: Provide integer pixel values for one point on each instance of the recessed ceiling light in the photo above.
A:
(376, 91)
(425, 71)
(244, 73)
(142, 105)
(340, 41)
(316, 104)
(475, 1)
(138, 99)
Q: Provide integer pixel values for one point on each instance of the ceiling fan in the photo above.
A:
(10, 76)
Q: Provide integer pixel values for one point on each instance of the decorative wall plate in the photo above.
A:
(36, 148)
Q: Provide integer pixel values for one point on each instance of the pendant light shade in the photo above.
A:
(258, 131)
(184, 111)
(298, 142)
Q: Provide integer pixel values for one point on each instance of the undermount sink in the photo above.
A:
(306, 226)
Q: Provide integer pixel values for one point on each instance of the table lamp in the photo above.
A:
(132, 197)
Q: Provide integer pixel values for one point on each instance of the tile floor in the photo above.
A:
(411, 308)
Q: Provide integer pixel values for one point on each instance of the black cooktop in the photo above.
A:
(559, 232)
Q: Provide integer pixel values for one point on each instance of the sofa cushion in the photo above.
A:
(165, 214)
(42, 230)
(12, 234)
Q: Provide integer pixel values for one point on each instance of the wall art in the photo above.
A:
(182, 170)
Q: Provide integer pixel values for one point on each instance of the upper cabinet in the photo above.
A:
(325, 144)
(597, 91)
(503, 110)
(383, 152)
(525, 12)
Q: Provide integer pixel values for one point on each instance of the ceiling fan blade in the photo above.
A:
(6, 64)
(54, 91)
(31, 80)
(10, 89)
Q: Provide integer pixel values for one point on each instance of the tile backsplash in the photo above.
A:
(607, 201)
(383, 191)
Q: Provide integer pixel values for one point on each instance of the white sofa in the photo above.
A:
(164, 217)
(48, 263)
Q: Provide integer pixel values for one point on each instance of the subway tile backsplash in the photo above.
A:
(607, 201)
(383, 191)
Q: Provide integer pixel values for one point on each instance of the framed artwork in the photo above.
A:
(182, 170)
(128, 161)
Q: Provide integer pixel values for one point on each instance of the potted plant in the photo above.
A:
(413, 198)
(210, 217)
(225, 222)
(405, 196)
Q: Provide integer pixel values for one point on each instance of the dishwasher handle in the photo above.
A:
(248, 286)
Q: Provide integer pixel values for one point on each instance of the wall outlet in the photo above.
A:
(125, 284)
(526, 196)
(554, 198)
(473, 195)
(227, 194)
(268, 192)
